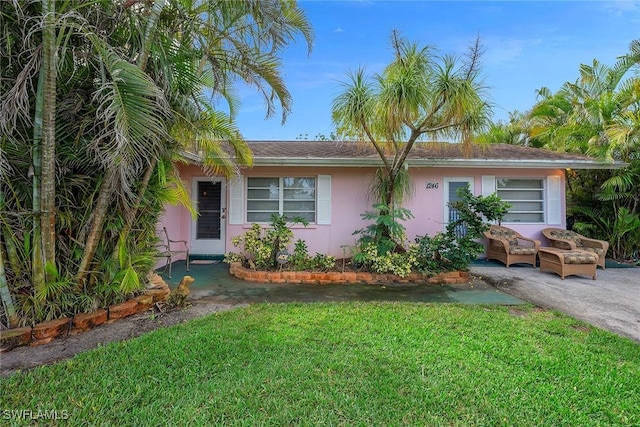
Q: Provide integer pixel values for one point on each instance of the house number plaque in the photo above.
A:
(432, 185)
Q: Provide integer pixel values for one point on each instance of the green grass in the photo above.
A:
(362, 364)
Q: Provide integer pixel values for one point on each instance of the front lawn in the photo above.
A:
(347, 364)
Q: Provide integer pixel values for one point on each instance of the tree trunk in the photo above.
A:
(37, 260)
(5, 293)
(131, 215)
(95, 233)
(48, 178)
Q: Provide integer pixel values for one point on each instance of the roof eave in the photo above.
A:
(475, 163)
(437, 163)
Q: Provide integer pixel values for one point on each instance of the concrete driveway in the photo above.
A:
(611, 302)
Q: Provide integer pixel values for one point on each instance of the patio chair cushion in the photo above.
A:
(579, 257)
(508, 235)
(597, 251)
(522, 250)
(567, 235)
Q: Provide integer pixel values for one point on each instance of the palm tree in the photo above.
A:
(598, 115)
(419, 96)
(517, 131)
(136, 84)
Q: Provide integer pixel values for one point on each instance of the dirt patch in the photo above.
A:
(25, 358)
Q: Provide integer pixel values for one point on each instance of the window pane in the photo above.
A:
(262, 194)
(523, 217)
(299, 182)
(526, 206)
(262, 182)
(519, 183)
(308, 194)
(520, 194)
(309, 216)
(299, 206)
(258, 216)
(262, 205)
(453, 190)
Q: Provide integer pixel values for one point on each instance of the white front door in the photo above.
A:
(451, 186)
(208, 228)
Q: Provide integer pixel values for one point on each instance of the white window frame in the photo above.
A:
(236, 206)
(543, 198)
(281, 199)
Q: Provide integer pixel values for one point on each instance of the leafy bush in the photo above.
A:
(449, 251)
(398, 263)
(260, 247)
(386, 233)
(380, 247)
(322, 262)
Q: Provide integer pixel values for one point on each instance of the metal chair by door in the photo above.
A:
(170, 248)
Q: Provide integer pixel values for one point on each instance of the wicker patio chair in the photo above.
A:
(567, 239)
(510, 247)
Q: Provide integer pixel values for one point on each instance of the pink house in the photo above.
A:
(327, 182)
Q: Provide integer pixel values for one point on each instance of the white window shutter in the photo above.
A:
(236, 201)
(488, 185)
(323, 208)
(554, 201)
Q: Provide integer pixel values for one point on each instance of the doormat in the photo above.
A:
(204, 261)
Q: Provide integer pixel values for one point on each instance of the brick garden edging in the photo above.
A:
(46, 332)
(349, 277)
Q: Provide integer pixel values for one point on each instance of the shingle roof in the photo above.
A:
(344, 153)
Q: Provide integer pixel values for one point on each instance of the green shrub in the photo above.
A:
(322, 262)
(259, 248)
(449, 252)
(444, 252)
(386, 233)
(401, 264)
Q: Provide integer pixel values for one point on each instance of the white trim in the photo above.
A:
(445, 182)
(236, 200)
(323, 204)
(488, 185)
(554, 200)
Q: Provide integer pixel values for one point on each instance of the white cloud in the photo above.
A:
(506, 50)
(619, 7)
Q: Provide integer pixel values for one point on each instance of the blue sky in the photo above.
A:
(527, 45)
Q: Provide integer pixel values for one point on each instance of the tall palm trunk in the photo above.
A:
(37, 260)
(5, 294)
(48, 179)
(99, 214)
(131, 214)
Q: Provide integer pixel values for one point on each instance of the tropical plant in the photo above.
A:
(598, 114)
(386, 233)
(418, 96)
(260, 246)
(460, 244)
(517, 131)
(105, 96)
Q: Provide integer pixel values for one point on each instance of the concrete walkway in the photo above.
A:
(611, 302)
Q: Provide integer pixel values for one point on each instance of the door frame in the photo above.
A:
(208, 246)
(446, 181)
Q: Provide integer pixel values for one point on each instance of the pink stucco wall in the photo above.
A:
(349, 200)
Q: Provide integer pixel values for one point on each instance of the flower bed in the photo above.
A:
(348, 277)
(46, 332)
